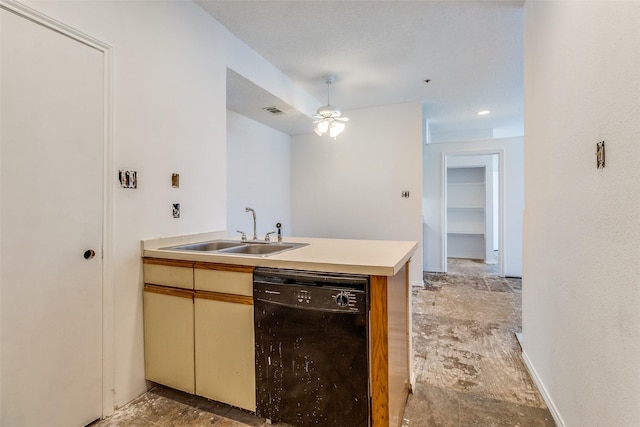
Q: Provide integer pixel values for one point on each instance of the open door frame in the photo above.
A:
(502, 255)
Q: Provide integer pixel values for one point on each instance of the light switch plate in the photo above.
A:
(128, 178)
(600, 155)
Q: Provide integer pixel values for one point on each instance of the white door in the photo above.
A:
(51, 184)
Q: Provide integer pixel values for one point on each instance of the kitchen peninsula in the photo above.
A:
(210, 278)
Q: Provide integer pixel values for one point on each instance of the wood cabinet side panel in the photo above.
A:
(168, 340)
(399, 373)
(379, 351)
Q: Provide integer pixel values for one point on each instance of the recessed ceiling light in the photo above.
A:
(483, 112)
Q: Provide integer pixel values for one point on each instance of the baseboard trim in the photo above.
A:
(543, 391)
(519, 338)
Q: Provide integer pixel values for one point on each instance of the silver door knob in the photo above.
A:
(89, 254)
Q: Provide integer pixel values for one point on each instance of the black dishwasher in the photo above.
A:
(312, 361)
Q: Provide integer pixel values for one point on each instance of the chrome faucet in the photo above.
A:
(255, 234)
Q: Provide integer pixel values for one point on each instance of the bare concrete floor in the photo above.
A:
(466, 361)
(466, 357)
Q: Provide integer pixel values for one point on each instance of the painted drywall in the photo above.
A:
(351, 187)
(258, 176)
(169, 116)
(475, 134)
(581, 283)
(460, 135)
(513, 198)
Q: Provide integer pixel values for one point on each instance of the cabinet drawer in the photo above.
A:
(177, 274)
(215, 278)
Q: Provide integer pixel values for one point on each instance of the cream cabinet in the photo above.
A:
(224, 344)
(166, 272)
(168, 337)
(224, 350)
(198, 326)
(221, 278)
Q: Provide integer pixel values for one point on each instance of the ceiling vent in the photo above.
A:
(273, 110)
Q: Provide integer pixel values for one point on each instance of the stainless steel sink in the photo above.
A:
(214, 245)
(237, 248)
(261, 249)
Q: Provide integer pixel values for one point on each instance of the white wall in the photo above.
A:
(460, 135)
(169, 115)
(258, 176)
(351, 187)
(513, 198)
(581, 293)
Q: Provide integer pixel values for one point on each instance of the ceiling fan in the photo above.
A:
(328, 117)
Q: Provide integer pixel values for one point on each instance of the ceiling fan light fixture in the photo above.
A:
(321, 127)
(329, 116)
(335, 129)
(329, 112)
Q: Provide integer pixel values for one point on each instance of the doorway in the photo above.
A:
(54, 221)
(472, 211)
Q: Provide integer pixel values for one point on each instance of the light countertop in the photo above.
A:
(371, 257)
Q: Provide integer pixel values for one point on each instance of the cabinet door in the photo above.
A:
(225, 362)
(168, 337)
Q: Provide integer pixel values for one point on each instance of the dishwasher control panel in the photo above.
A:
(321, 298)
(342, 298)
(304, 296)
(324, 292)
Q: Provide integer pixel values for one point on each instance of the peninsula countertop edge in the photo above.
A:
(370, 257)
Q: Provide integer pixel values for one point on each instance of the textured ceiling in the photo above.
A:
(382, 51)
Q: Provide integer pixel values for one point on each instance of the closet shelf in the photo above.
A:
(466, 233)
(477, 208)
(466, 212)
(465, 184)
